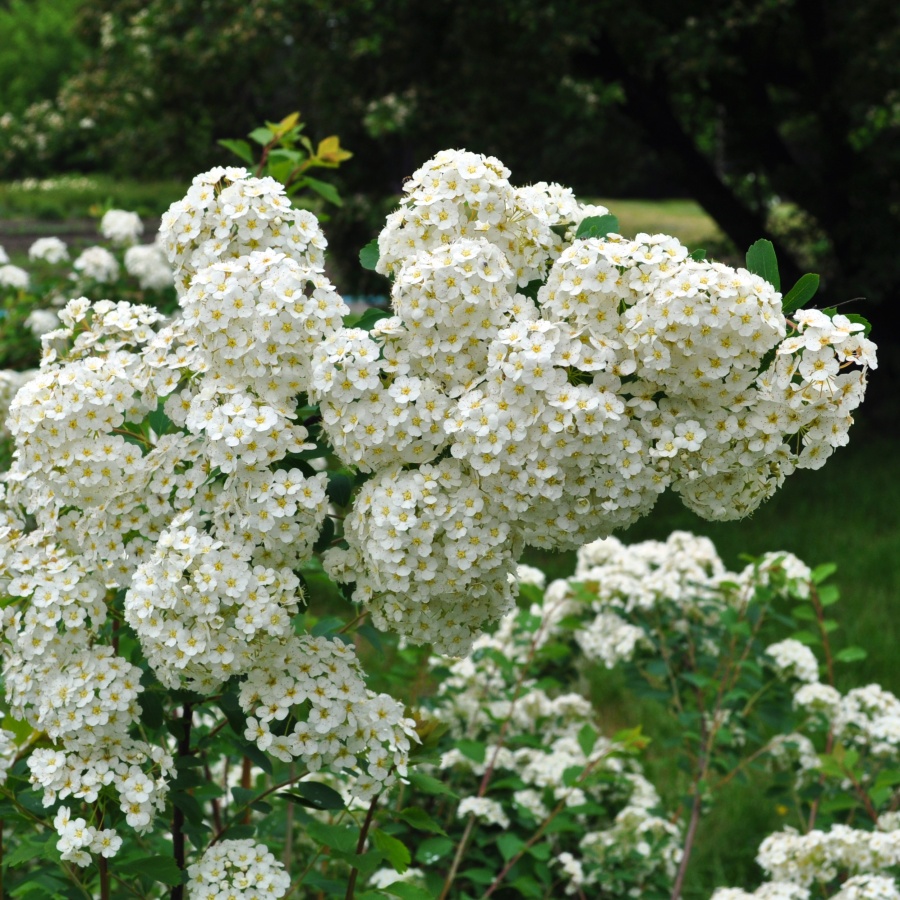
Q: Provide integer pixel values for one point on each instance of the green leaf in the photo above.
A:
(30, 848)
(159, 421)
(800, 294)
(368, 256)
(429, 785)
(860, 320)
(417, 818)
(479, 875)
(327, 626)
(240, 149)
(761, 261)
(829, 595)
(509, 845)
(850, 654)
(247, 797)
(337, 837)
(370, 317)
(407, 891)
(159, 868)
(339, 488)
(237, 719)
(528, 887)
(323, 189)
(475, 750)
(820, 573)
(698, 255)
(314, 795)
(152, 713)
(238, 833)
(597, 227)
(433, 849)
(394, 851)
(587, 738)
(262, 136)
(188, 804)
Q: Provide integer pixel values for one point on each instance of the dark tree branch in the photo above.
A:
(647, 104)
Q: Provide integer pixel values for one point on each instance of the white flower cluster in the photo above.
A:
(791, 659)
(228, 214)
(636, 367)
(121, 227)
(149, 479)
(13, 277)
(51, 250)
(77, 839)
(820, 856)
(317, 686)
(430, 553)
(481, 690)
(237, 870)
(866, 717)
(149, 265)
(8, 750)
(10, 383)
(488, 811)
(97, 264)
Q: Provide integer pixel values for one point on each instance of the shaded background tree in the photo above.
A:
(780, 117)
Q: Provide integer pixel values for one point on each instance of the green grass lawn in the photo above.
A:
(683, 219)
(81, 196)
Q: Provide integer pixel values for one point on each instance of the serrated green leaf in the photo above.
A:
(240, 149)
(417, 818)
(30, 848)
(368, 256)
(761, 261)
(800, 294)
(597, 227)
(698, 255)
(394, 851)
(158, 868)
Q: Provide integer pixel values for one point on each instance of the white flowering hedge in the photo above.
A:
(177, 481)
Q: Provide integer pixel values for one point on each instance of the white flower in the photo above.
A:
(98, 264)
(121, 227)
(50, 249)
(13, 277)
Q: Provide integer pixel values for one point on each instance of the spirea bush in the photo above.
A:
(184, 491)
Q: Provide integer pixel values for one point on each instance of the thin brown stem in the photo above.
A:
(360, 846)
(178, 836)
(457, 858)
(103, 866)
(560, 806)
(688, 846)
